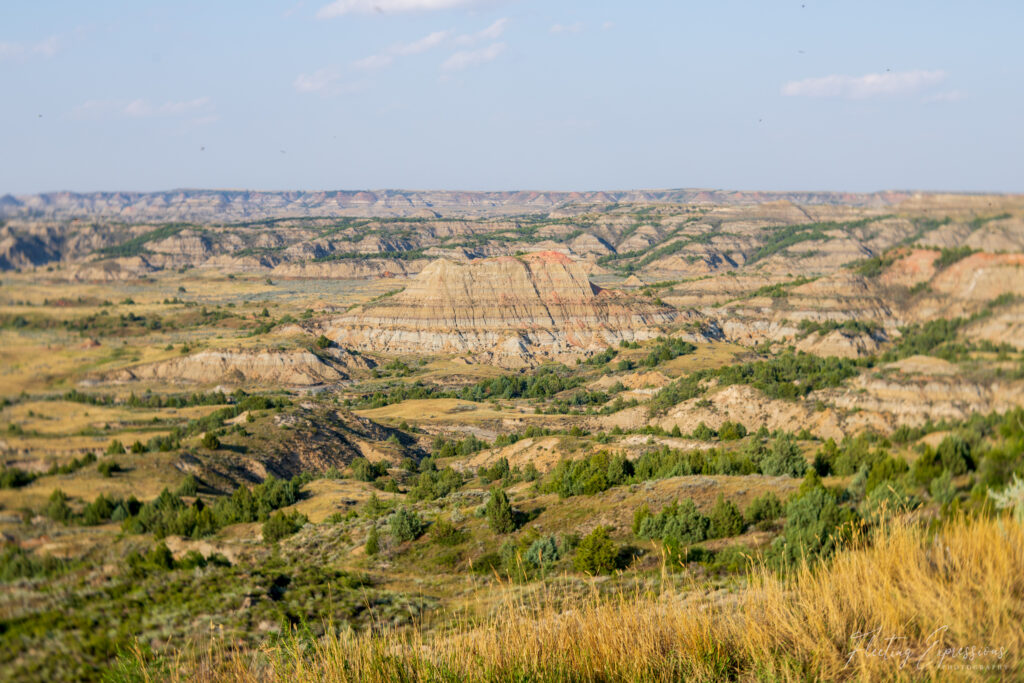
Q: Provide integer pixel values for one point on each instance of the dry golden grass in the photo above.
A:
(925, 598)
(68, 417)
(325, 497)
(426, 409)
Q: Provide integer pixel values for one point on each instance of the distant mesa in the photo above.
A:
(294, 368)
(239, 205)
(508, 310)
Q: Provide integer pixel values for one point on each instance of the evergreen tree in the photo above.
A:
(372, 542)
(499, 513)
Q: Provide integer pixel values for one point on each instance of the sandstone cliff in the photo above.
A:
(299, 368)
(507, 310)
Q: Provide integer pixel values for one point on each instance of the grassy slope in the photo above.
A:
(961, 587)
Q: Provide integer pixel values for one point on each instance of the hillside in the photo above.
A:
(358, 435)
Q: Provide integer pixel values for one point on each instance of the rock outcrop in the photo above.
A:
(298, 368)
(238, 205)
(506, 310)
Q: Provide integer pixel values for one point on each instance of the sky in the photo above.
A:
(845, 95)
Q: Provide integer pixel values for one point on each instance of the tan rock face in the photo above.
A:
(919, 388)
(509, 309)
(840, 344)
(982, 277)
(238, 367)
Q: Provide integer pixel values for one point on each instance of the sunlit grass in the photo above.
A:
(962, 586)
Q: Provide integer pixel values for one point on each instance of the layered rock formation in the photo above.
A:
(246, 205)
(509, 310)
(300, 368)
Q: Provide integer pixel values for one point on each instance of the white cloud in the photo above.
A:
(576, 27)
(373, 62)
(47, 47)
(415, 47)
(422, 45)
(467, 58)
(947, 96)
(861, 87)
(492, 32)
(608, 25)
(319, 80)
(342, 7)
(141, 108)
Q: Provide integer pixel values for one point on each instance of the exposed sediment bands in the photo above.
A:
(300, 368)
(509, 308)
(201, 205)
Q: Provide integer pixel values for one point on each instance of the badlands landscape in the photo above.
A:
(649, 435)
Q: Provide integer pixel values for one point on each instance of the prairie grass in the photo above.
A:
(922, 594)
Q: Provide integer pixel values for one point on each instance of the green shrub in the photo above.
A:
(543, 553)
(703, 433)
(107, 468)
(764, 508)
(680, 523)
(950, 255)
(885, 470)
(405, 525)
(889, 499)
(16, 563)
(281, 525)
(812, 525)
(498, 471)
(955, 454)
(14, 477)
(589, 475)
(784, 458)
(372, 541)
(57, 507)
(596, 553)
(188, 487)
(499, 513)
(434, 484)
(445, 533)
(639, 515)
(364, 470)
(731, 431)
(191, 560)
(322, 342)
(941, 489)
(210, 441)
(666, 350)
(726, 519)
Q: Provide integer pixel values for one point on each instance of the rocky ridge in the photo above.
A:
(237, 205)
(296, 368)
(507, 310)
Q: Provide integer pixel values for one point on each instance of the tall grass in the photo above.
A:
(922, 595)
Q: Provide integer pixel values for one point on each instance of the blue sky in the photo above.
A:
(515, 94)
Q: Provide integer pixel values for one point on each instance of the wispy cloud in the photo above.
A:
(142, 108)
(947, 96)
(373, 62)
(342, 7)
(319, 80)
(415, 47)
(47, 47)
(862, 87)
(492, 32)
(575, 27)
(467, 58)
(422, 45)
(437, 38)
